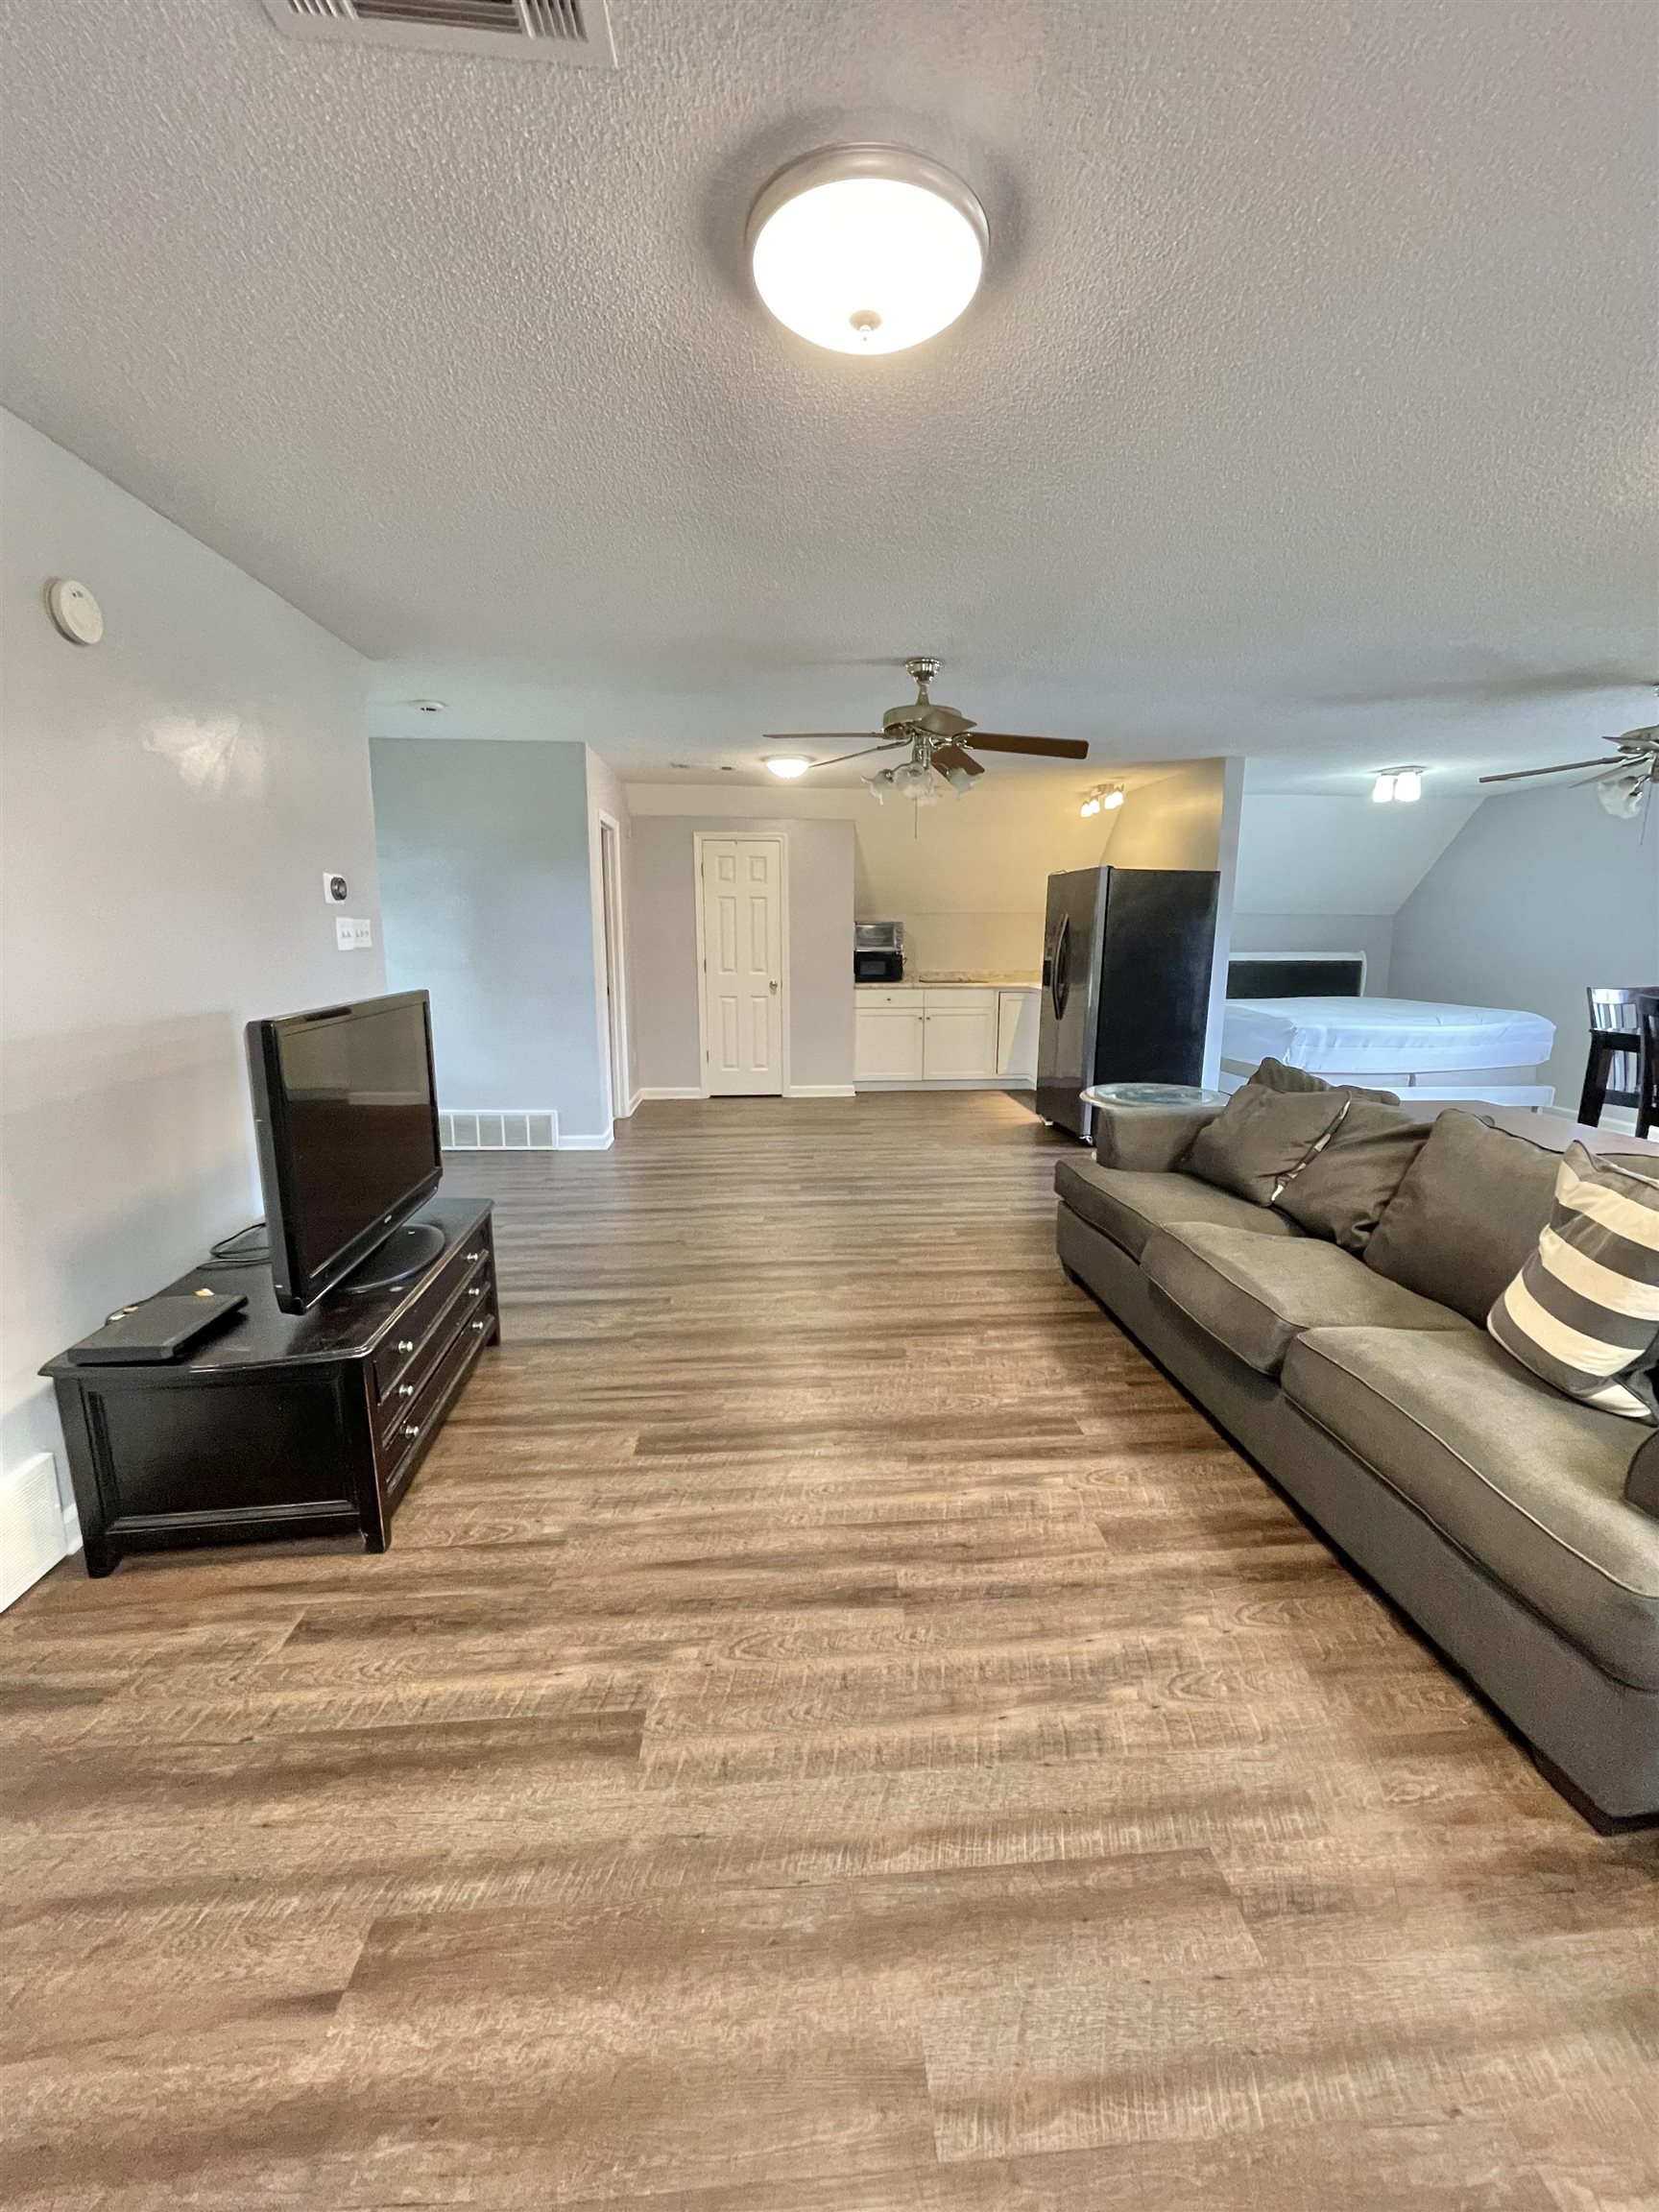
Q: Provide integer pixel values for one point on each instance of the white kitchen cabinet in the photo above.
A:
(959, 1044)
(1019, 1016)
(957, 1033)
(887, 1039)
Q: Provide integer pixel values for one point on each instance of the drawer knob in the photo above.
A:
(405, 1344)
(405, 1389)
(411, 1428)
(480, 1325)
(476, 1291)
(474, 1255)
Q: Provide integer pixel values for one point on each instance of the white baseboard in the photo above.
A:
(961, 1083)
(633, 1101)
(575, 1142)
(1616, 1120)
(655, 1090)
(36, 1529)
(820, 1090)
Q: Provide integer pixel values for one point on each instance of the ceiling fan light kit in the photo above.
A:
(867, 249)
(941, 744)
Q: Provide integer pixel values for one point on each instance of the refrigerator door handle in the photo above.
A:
(1060, 980)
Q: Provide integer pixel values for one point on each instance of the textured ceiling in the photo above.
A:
(1314, 367)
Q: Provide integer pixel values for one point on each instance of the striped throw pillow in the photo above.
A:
(1583, 1312)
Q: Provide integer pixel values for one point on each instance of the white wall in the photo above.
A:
(662, 945)
(606, 796)
(1540, 896)
(174, 796)
(484, 859)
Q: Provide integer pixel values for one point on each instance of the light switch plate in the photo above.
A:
(352, 936)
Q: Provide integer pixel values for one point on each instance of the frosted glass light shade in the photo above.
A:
(867, 249)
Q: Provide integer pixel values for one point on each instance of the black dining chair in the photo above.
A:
(1623, 1050)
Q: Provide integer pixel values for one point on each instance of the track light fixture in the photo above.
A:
(1103, 800)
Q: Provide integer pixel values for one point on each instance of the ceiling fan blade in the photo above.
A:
(817, 736)
(949, 757)
(1515, 775)
(862, 754)
(1048, 748)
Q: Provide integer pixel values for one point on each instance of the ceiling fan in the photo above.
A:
(938, 740)
(1624, 781)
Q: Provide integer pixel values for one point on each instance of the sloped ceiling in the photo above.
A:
(1306, 412)
(1302, 853)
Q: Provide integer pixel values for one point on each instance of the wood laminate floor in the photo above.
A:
(837, 1731)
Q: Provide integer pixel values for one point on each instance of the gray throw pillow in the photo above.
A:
(1466, 1216)
(1342, 1190)
(1260, 1137)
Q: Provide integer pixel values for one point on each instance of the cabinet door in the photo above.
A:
(961, 1041)
(887, 1045)
(1018, 1016)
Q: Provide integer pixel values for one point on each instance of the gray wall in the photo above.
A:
(663, 947)
(1538, 897)
(173, 799)
(484, 870)
(1372, 934)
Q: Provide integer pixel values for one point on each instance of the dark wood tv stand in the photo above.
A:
(281, 1425)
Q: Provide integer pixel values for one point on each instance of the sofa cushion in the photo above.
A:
(1260, 1137)
(1583, 1312)
(1342, 1190)
(1524, 1480)
(1128, 1205)
(1256, 1294)
(1466, 1216)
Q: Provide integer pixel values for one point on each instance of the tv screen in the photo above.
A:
(345, 1111)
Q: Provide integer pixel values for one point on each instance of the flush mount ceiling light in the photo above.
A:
(1404, 784)
(787, 765)
(867, 249)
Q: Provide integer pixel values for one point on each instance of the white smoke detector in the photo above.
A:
(75, 610)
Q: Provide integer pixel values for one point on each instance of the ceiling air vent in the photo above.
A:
(570, 31)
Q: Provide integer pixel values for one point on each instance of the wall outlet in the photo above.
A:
(352, 936)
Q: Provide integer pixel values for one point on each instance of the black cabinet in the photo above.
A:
(281, 1425)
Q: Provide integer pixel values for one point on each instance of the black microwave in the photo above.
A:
(874, 965)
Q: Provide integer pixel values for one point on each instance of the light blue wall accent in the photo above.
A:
(1537, 898)
(485, 887)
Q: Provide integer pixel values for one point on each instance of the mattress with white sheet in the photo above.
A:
(1384, 1036)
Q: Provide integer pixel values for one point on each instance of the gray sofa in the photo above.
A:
(1519, 1529)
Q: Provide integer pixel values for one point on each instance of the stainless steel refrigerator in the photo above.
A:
(1127, 955)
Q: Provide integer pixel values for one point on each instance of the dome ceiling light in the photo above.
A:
(867, 249)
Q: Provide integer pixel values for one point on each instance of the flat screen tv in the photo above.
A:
(345, 1111)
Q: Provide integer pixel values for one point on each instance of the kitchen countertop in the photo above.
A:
(967, 982)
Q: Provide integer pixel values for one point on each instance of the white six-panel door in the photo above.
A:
(742, 967)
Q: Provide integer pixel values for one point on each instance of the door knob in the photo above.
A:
(773, 985)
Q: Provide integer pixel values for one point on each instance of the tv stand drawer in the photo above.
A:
(473, 1296)
(409, 1336)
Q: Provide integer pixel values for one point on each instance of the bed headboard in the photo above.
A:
(1297, 975)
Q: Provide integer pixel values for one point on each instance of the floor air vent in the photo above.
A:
(570, 31)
